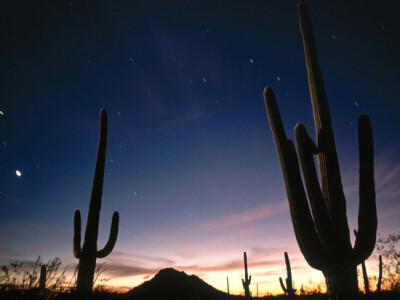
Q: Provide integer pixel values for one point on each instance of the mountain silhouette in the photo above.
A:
(172, 284)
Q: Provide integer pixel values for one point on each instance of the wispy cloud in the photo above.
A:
(118, 255)
(115, 270)
(387, 174)
(387, 183)
(172, 241)
(249, 216)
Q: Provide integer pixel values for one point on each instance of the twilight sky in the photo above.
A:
(191, 164)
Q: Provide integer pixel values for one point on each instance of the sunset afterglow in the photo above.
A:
(191, 164)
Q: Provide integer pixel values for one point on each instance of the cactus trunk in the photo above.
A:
(88, 254)
(320, 222)
(341, 282)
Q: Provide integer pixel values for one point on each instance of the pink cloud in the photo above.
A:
(249, 216)
(115, 270)
(118, 255)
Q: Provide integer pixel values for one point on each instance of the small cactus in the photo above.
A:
(227, 284)
(246, 281)
(378, 286)
(88, 254)
(42, 278)
(288, 290)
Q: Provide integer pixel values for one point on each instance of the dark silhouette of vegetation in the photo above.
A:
(323, 233)
(19, 280)
(166, 284)
(246, 280)
(389, 249)
(88, 254)
(288, 290)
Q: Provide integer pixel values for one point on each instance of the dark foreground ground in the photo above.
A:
(34, 295)
(169, 284)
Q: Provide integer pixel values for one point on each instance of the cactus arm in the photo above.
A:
(367, 218)
(331, 183)
(77, 234)
(249, 279)
(303, 225)
(364, 270)
(112, 238)
(365, 277)
(92, 227)
(306, 149)
(288, 269)
(282, 285)
(322, 117)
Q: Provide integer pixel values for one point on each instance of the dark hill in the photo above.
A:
(172, 284)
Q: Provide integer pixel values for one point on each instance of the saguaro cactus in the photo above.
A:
(42, 278)
(246, 281)
(289, 290)
(227, 284)
(378, 286)
(323, 233)
(88, 254)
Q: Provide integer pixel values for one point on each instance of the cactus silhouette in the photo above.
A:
(246, 281)
(378, 286)
(323, 234)
(289, 290)
(88, 254)
(42, 278)
(365, 275)
(227, 284)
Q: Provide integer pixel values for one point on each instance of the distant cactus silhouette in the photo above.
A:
(246, 281)
(365, 275)
(42, 278)
(88, 254)
(378, 286)
(323, 233)
(227, 284)
(289, 290)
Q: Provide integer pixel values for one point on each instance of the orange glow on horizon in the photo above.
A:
(267, 278)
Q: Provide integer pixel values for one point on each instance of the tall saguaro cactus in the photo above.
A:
(246, 281)
(88, 254)
(289, 290)
(320, 226)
